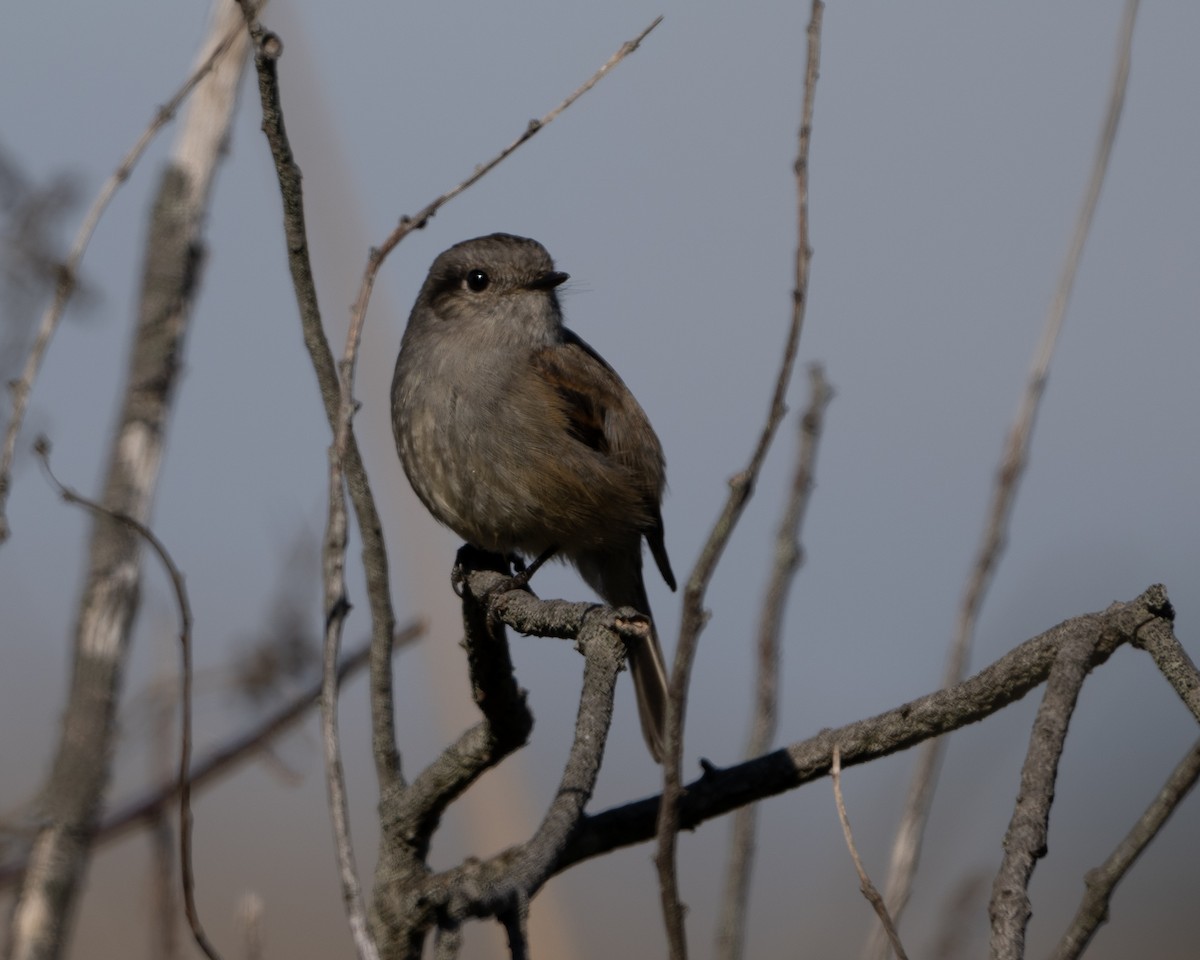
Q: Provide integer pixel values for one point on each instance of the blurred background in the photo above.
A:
(951, 145)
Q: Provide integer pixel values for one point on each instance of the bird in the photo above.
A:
(525, 442)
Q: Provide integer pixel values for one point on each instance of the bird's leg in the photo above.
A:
(525, 573)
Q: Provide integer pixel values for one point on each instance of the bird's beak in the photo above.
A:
(549, 280)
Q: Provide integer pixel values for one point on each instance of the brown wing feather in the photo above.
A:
(601, 413)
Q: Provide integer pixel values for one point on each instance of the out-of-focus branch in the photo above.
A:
(906, 848)
(72, 796)
(185, 685)
(1093, 910)
(731, 937)
(68, 272)
(741, 489)
(223, 759)
(720, 791)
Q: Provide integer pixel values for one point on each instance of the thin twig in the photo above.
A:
(422, 217)
(1093, 910)
(68, 271)
(42, 448)
(906, 849)
(694, 616)
(337, 607)
(864, 881)
(730, 939)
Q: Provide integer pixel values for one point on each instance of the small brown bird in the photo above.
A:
(520, 438)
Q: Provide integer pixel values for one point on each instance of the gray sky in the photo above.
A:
(950, 149)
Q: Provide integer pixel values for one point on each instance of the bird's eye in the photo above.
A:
(478, 280)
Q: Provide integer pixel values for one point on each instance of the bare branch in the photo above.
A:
(1093, 910)
(906, 849)
(408, 900)
(1174, 664)
(422, 217)
(864, 881)
(1025, 840)
(268, 49)
(730, 940)
(508, 880)
(719, 791)
(694, 616)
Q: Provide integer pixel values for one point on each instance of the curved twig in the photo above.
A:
(42, 448)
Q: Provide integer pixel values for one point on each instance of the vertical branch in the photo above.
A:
(1025, 840)
(71, 798)
(268, 49)
(731, 934)
(906, 849)
(741, 489)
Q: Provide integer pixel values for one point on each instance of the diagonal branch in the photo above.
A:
(720, 791)
(906, 848)
(1093, 910)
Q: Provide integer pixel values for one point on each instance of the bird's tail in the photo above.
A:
(650, 682)
(619, 581)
